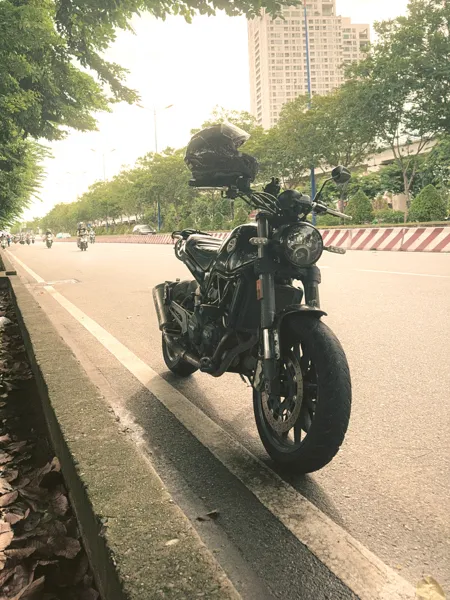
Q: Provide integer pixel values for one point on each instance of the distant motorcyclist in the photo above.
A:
(49, 238)
(82, 230)
(92, 236)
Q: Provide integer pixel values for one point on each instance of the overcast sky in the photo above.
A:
(194, 67)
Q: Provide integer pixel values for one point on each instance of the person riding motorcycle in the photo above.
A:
(82, 230)
(92, 236)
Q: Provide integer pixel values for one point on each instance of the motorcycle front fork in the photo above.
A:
(266, 295)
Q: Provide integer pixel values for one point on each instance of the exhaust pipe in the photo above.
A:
(162, 313)
(180, 351)
(160, 306)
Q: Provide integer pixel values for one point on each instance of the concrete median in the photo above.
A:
(140, 544)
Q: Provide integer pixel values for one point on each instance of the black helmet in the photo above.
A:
(214, 160)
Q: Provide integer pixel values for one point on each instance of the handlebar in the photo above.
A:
(321, 208)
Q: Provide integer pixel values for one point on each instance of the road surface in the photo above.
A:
(389, 485)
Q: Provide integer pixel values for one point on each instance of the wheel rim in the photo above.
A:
(288, 417)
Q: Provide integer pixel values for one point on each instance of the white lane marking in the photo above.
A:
(25, 268)
(402, 273)
(363, 572)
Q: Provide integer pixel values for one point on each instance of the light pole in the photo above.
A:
(104, 177)
(155, 127)
(308, 71)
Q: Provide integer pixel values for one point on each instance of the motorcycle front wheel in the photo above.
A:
(303, 427)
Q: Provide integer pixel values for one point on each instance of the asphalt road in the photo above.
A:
(389, 486)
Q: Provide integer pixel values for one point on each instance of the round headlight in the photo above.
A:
(302, 244)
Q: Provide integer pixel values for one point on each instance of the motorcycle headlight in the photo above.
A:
(302, 244)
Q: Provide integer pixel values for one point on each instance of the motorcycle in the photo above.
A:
(28, 241)
(83, 243)
(4, 244)
(92, 237)
(245, 312)
(49, 241)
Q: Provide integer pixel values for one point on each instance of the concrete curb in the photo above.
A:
(140, 544)
(393, 239)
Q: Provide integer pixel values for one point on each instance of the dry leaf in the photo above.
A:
(28, 592)
(4, 486)
(5, 457)
(5, 575)
(4, 439)
(14, 517)
(64, 546)
(10, 475)
(19, 553)
(16, 446)
(6, 535)
(59, 503)
(8, 498)
(213, 514)
(429, 589)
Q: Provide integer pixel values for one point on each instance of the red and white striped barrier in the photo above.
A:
(394, 239)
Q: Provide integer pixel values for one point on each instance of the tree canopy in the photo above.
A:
(54, 76)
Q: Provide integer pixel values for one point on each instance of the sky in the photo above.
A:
(193, 67)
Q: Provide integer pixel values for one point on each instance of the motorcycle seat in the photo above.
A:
(203, 249)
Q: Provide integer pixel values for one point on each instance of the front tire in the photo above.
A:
(312, 354)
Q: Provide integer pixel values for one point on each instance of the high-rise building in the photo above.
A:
(277, 52)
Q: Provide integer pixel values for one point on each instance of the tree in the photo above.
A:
(53, 74)
(405, 81)
(428, 206)
(359, 208)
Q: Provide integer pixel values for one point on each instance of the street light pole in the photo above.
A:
(308, 70)
(155, 124)
(104, 179)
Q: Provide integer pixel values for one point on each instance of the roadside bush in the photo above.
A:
(359, 208)
(388, 215)
(119, 229)
(428, 205)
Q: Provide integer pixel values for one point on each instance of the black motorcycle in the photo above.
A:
(246, 313)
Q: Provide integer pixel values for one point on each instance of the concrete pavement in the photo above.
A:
(389, 485)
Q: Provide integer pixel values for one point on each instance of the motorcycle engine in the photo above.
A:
(205, 333)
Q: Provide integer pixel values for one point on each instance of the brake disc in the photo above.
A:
(282, 412)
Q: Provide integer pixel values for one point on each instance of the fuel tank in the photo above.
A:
(237, 253)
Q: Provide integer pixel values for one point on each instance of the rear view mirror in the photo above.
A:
(341, 175)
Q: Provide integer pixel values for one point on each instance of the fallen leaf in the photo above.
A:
(29, 592)
(4, 486)
(20, 553)
(429, 589)
(172, 542)
(16, 446)
(4, 439)
(6, 535)
(64, 546)
(213, 514)
(5, 457)
(59, 503)
(8, 498)
(10, 475)
(14, 517)
(5, 575)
